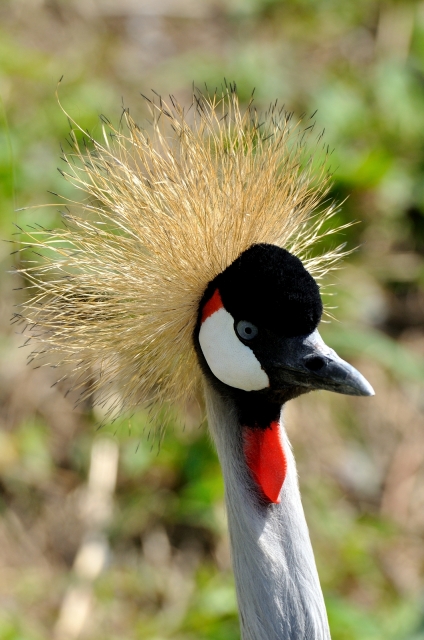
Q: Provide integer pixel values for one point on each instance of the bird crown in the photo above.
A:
(165, 209)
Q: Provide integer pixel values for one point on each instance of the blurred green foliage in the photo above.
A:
(361, 64)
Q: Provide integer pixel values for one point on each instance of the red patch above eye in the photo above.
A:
(212, 305)
(266, 459)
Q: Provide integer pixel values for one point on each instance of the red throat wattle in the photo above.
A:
(266, 459)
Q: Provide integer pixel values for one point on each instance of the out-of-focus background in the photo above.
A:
(103, 538)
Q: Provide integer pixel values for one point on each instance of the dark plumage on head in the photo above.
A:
(270, 287)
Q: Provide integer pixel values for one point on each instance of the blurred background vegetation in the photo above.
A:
(149, 558)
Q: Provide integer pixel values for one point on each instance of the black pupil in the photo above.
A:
(248, 330)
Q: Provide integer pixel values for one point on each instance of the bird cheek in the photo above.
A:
(231, 361)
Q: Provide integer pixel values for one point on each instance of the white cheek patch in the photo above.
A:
(230, 360)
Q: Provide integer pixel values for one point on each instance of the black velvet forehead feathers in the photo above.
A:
(270, 287)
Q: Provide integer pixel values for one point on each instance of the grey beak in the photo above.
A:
(309, 363)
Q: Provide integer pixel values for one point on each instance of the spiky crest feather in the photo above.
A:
(117, 291)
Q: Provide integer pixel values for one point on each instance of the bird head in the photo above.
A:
(181, 234)
(257, 330)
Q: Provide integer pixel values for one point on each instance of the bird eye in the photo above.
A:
(246, 330)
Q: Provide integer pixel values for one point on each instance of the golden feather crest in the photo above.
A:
(116, 293)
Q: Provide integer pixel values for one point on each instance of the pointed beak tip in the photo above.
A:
(368, 391)
(361, 385)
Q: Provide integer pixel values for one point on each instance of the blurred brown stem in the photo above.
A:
(92, 555)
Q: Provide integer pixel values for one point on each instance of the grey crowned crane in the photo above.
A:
(191, 268)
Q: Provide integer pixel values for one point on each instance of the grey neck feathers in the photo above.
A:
(278, 589)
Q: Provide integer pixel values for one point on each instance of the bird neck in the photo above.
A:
(278, 590)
